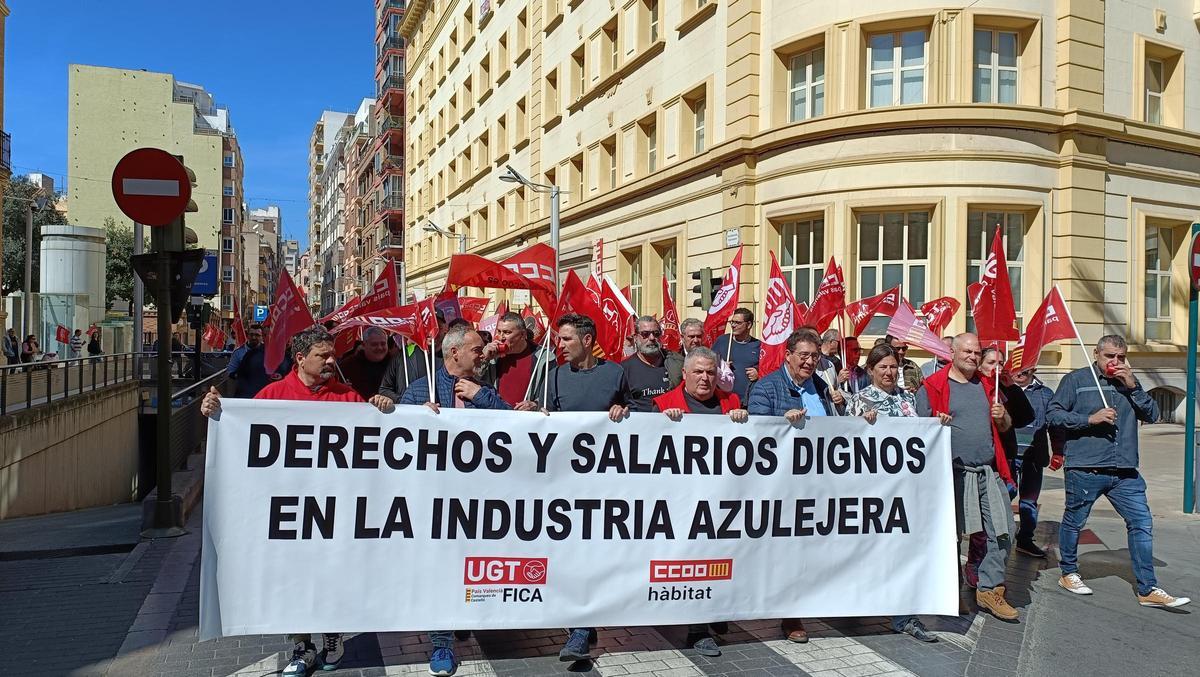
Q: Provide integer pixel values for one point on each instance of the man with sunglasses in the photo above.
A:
(795, 392)
(650, 371)
(742, 350)
(910, 372)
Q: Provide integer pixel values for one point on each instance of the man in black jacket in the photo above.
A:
(651, 370)
(246, 365)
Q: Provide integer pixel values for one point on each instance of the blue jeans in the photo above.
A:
(442, 639)
(1126, 492)
(1030, 490)
(898, 622)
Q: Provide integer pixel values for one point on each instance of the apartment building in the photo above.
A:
(291, 257)
(894, 136)
(263, 244)
(326, 208)
(383, 202)
(5, 148)
(111, 111)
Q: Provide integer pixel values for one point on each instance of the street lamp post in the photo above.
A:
(431, 227)
(513, 176)
(36, 203)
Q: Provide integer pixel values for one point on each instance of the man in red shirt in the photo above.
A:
(312, 380)
(520, 365)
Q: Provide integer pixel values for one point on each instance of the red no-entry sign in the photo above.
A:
(151, 186)
(1194, 261)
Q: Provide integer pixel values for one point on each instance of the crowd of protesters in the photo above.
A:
(1005, 429)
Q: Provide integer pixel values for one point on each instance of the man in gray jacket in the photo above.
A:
(1101, 459)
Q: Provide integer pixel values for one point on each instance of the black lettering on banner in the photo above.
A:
(615, 514)
(866, 455)
(435, 527)
(361, 530)
(847, 512)
(702, 522)
(695, 449)
(331, 441)
(472, 440)
(897, 516)
(768, 461)
(636, 466)
(740, 445)
(435, 448)
(275, 530)
(585, 458)
(462, 519)
(558, 515)
(531, 531)
(803, 455)
(501, 455)
(732, 509)
(757, 528)
(916, 455)
(258, 459)
(778, 528)
(610, 456)
(804, 515)
(294, 444)
(872, 511)
(398, 519)
(389, 449)
(839, 455)
(366, 439)
(587, 506)
(667, 458)
(825, 528)
(541, 448)
(495, 519)
(660, 521)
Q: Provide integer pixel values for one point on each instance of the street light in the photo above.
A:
(431, 227)
(511, 175)
(37, 203)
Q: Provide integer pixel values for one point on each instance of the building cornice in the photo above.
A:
(412, 15)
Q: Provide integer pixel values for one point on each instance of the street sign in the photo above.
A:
(206, 277)
(183, 271)
(151, 186)
(1195, 261)
(260, 314)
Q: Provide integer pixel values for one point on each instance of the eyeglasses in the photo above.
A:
(650, 334)
(805, 357)
(900, 349)
(739, 322)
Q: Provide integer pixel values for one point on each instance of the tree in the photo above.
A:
(16, 200)
(117, 266)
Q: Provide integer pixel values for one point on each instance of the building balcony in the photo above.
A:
(390, 86)
(391, 123)
(6, 152)
(391, 203)
(389, 42)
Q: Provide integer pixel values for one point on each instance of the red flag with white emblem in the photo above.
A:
(778, 323)
(992, 299)
(939, 312)
(725, 301)
(531, 268)
(1049, 323)
(830, 299)
(671, 338)
(239, 329)
(613, 323)
(471, 308)
(290, 315)
(861, 312)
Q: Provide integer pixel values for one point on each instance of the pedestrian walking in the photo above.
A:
(93, 346)
(12, 347)
(885, 397)
(1036, 443)
(964, 398)
(795, 392)
(652, 370)
(1098, 408)
(312, 380)
(30, 350)
(76, 344)
(699, 394)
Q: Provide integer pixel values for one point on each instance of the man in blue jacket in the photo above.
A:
(246, 365)
(1035, 443)
(1101, 459)
(457, 387)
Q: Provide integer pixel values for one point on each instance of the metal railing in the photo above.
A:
(389, 122)
(390, 42)
(390, 82)
(23, 386)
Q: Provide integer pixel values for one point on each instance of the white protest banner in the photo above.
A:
(333, 517)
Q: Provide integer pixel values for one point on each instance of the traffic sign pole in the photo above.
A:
(1189, 430)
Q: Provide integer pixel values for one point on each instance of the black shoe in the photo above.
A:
(720, 627)
(1030, 549)
(704, 645)
(917, 629)
(462, 635)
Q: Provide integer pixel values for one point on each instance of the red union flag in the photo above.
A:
(613, 323)
(830, 298)
(239, 329)
(801, 313)
(290, 316)
(384, 294)
(415, 321)
(342, 313)
(778, 323)
(471, 308)
(906, 326)
(213, 336)
(532, 268)
(939, 312)
(992, 299)
(861, 312)
(1049, 323)
(576, 298)
(671, 338)
(725, 301)
(62, 334)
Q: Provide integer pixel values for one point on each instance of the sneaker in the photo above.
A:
(970, 575)
(335, 649)
(304, 657)
(994, 603)
(917, 629)
(1157, 597)
(576, 648)
(704, 645)
(442, 663)
(1073, 583)
(1030, 549)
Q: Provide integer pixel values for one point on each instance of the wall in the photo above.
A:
(78, 453)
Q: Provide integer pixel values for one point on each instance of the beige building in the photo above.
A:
(5, 147)
(894, 136)
(111, 111)
(261, 245)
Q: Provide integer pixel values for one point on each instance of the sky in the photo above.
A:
(275, 65)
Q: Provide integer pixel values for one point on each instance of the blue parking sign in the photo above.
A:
(260, 314)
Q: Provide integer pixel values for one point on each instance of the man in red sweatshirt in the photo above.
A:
(312, 380)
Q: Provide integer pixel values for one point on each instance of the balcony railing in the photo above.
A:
(389, 42)
(391, 202)
(6, 151)
(389, 122)
(395, 81)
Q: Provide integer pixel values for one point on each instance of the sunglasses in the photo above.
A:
(650, 334)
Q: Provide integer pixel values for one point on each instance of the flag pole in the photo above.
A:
(1091, 368)
(404, 359)
(432, 379)
(545, 347)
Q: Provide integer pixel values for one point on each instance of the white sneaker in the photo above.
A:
(1073, 583)
(304, 656)
(1159, 598)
